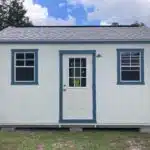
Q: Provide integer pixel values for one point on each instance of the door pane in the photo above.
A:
(83, 82)
(77, 82)
(83, 62)
(71, 82)
(71, 62)
(77, 62)
(83, 72)
(71, 72)
(77, 72)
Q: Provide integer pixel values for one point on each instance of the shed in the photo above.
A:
(75, 75)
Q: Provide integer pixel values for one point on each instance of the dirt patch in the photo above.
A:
(64, 145)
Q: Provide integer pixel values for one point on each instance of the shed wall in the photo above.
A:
(39, 104)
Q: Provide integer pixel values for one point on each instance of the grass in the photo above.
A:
(87, 140)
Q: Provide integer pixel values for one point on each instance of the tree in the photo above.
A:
(12, 13)
(138, 24)
(115, 24)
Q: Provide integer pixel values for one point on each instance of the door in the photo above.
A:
(77, 87)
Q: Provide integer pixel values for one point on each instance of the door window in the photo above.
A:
(77, 72)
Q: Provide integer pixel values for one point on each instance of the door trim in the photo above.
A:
(61, 53)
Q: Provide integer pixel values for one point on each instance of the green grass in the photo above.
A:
(60, 140)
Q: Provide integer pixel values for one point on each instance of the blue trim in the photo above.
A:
(119, 82)
(61, 53)
(76, 42)
(77, 52)
(13, 51)
(77, 121)
(60, 86)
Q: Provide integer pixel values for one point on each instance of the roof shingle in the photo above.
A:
(71, 33)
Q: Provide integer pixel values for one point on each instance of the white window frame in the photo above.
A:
(130, 66)
(139, 65)
(15, 60)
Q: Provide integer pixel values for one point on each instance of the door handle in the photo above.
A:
(64, 88)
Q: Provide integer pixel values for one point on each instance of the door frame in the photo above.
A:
(61, 53)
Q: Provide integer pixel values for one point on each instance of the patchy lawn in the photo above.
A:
(64, 140)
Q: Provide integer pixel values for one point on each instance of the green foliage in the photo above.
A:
(135, 24)
(63, 140)
(12, 13)
(115, 24)
(138, 24)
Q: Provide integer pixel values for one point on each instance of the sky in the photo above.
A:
(87, 12)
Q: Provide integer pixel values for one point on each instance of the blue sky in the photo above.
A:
(61, 9)
(87, 12)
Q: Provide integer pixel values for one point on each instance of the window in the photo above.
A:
(77, 72)
(24, 66)
(130, 66)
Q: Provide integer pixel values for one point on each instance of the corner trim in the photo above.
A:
(13, 51)
(61, 53)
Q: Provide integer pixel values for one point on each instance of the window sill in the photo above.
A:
(130, 83)
(24, 83)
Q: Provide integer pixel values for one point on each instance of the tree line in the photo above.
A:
(12, 13)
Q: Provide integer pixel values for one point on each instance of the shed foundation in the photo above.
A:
(145, 129)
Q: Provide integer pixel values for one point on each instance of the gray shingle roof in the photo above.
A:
(68, 33)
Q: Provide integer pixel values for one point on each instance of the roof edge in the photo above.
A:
(75, 42)
(75, 26)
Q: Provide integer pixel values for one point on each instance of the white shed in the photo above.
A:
(75, 75)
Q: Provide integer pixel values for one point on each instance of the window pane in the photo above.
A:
(125, 68)
(135, 68)
(77, 72)
(71, 72)
(130, 75)
(71, 62)
(129, 68)
(24, 74)
(83, 62)
(30, 63)
(19, 55)
(135, 61)
(135, 54)
(125, 61)
(125, 54)
(71, 82)
(77, 82)
(83, 82)
(77, 62)
(29, 55)
(83, 72)
(20, 63)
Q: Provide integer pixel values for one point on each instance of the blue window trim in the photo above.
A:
(142, 67)
(13, 51)
(61, 53)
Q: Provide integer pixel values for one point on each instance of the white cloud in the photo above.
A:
(61, 4)
(54, 21)
(39, 15)
(122, 11)
(103, 23)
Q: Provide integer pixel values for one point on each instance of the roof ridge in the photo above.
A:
(73, 26)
